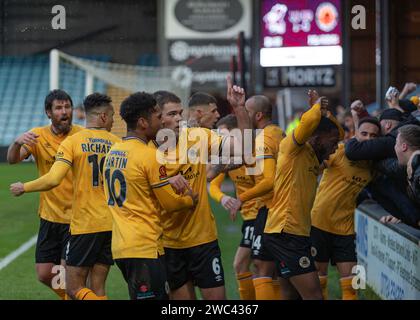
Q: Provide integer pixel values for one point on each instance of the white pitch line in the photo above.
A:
(19, 251)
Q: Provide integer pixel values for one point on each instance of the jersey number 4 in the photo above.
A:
(110, 182)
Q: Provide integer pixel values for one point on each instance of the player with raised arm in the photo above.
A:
(332, 233)
(287, 230)
(192, 251)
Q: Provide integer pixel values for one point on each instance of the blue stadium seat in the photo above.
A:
(24, 81)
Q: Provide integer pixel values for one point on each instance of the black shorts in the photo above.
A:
(52, 242)
(336, 248)
(247, 233)
(146, 278)
(291, 253)
(201, 264)
(259, 250)
(86, 250)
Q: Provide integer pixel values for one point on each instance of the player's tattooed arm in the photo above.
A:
(16, 152)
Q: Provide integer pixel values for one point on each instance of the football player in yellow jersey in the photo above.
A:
(137, 186)
(202, 111)
(89, 247)
(267, 144)
(287, 230)
(192, 252)
(55, 205)
(332, 234)
(249, 209)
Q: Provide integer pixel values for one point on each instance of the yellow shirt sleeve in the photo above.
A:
(215, 190)
(50, 180)
(169, 200)
(265, 185)
(65, 152)
(307, 126)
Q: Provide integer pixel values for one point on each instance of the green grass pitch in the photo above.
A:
(19, 222)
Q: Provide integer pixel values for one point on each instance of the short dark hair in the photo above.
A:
(391, 114)
(410, 133)
(325, 126)
(136, 106)
(56, 94)
(370, 120)
(230, 121)
(201, 98)
(163, 97)
(96, 100)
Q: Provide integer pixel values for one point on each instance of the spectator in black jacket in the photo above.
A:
(382, 147)
(407, 149)
(388, 190)
(407, 167)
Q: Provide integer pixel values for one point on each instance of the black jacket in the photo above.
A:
(377, 149)
(407, 181)
(414, 179)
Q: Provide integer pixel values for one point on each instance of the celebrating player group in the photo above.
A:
(142, 201)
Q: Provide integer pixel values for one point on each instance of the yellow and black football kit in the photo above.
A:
(54, 205)
(91, 222)
(289, 220)
(332, 233)
(190, 239)
(249, 209)
(137, 191)
(267, 145)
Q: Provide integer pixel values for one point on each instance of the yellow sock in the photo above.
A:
(245, 286)
(86, 294)
(60, 292)
(103, 298)
(323, 280)
(264, 289)
(347, 289)
(277, 289)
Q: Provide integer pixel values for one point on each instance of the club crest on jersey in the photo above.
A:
(304, 262)
(162, 173)
(59, 155)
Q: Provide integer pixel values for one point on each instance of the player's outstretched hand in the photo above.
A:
(28, 138)
(179, 184)
(313, 97)
(235, 94)
(235, 209)
(323, 101)
(228, 202)
(17, 189)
